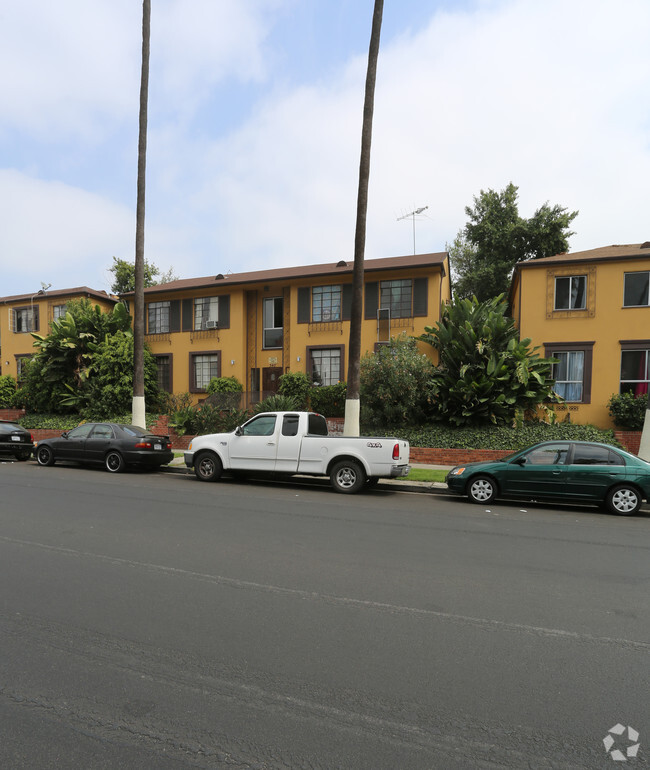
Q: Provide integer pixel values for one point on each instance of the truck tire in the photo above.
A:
(207, 466)
(347, 476)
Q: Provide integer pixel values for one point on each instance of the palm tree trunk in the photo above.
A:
(138, 408)
(352, 402)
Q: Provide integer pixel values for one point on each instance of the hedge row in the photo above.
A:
(443, 437)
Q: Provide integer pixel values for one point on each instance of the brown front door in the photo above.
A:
(270, 378)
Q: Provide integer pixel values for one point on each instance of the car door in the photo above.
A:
(72, 446)
(98, 442)
(592, 470)
(256, 447)
(540, 472)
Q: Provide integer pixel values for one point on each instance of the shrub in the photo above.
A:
(328, 400)
(628, 411)
(7, 391)
(224, 385)
(276, 404)
(297, 385)
(395, 385)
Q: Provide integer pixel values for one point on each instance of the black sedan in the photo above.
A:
(107, 443)
(15, 440)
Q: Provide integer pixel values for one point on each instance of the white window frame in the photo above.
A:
(571, 279)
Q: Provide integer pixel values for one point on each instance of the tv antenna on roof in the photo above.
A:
(413, 214)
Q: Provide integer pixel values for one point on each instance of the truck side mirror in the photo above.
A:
(238, 431)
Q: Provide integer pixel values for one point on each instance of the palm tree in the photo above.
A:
(352, 402)
(138, 311)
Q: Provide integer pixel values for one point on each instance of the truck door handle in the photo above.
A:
(270, 443)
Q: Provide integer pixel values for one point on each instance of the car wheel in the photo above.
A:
(23, 454)
(114, 462)
(347, 476)
(482, 490)
(207, 467)
(623, 500)
(44, 456)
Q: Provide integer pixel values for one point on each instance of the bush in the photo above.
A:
(395, 385)
(498, 437)
(297, 385)
(224, 385)
(276, 404)
(328, 400)
(7, 391)
(628, 411)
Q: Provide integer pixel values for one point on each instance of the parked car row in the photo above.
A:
(567, 471)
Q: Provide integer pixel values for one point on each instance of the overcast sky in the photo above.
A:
(255, 111)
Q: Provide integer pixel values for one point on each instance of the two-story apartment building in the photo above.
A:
(591, 311)
(22, 314)
(256, 326)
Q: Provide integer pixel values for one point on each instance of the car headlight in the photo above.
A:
(456, 471)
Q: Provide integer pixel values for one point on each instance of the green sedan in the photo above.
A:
(559, 470)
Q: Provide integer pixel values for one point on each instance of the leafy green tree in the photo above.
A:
(297, 385)
(124, 275)
(395, 385)
(486, 373)
(495, 238)
(108, 390)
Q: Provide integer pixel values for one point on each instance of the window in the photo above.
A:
(637, 290)
(569, 374)
(572, 373)
(635, 370)
(206, 313)
(326, 303)
(164, 368)
(158, 316)
(586, 454)
(316, 425)
(204, 366)
(24, 320)
(264, 425)
(58, 311)
(102, 431)
(325, 365)
(82, 431)
(396, 296)
(571, 292)
(21, 362)
(290, 425)
(549, 454)
(273, 322)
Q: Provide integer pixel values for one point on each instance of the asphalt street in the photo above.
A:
(148, 620)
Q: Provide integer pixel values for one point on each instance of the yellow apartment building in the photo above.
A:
(256, 326)
(590, 310)
(22, 314)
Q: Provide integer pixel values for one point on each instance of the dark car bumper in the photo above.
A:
(15, 447)
(148, 458)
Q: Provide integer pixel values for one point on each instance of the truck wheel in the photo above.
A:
(623, 500)
(347, 476)
(207, 466)
(44, 455)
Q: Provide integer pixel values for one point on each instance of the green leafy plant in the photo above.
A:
(297, 385)
(224, 385)
(486, 373)
(328, 400)
(396, 384)
(7, 391)
(627, 410)
(276, 404)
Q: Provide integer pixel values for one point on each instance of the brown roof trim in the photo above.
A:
(603, 254)
(301, 271)
(79, 291)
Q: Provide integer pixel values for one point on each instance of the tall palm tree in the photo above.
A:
(352, 402)
(138, 407)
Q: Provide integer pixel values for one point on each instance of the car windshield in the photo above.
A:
(9, 427)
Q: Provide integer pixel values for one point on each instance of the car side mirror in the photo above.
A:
(64, 434)
(238, 431)
(520, 461)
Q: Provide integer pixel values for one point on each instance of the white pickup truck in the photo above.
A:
(298, 442)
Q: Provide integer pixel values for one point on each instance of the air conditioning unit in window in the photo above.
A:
(212, 324)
